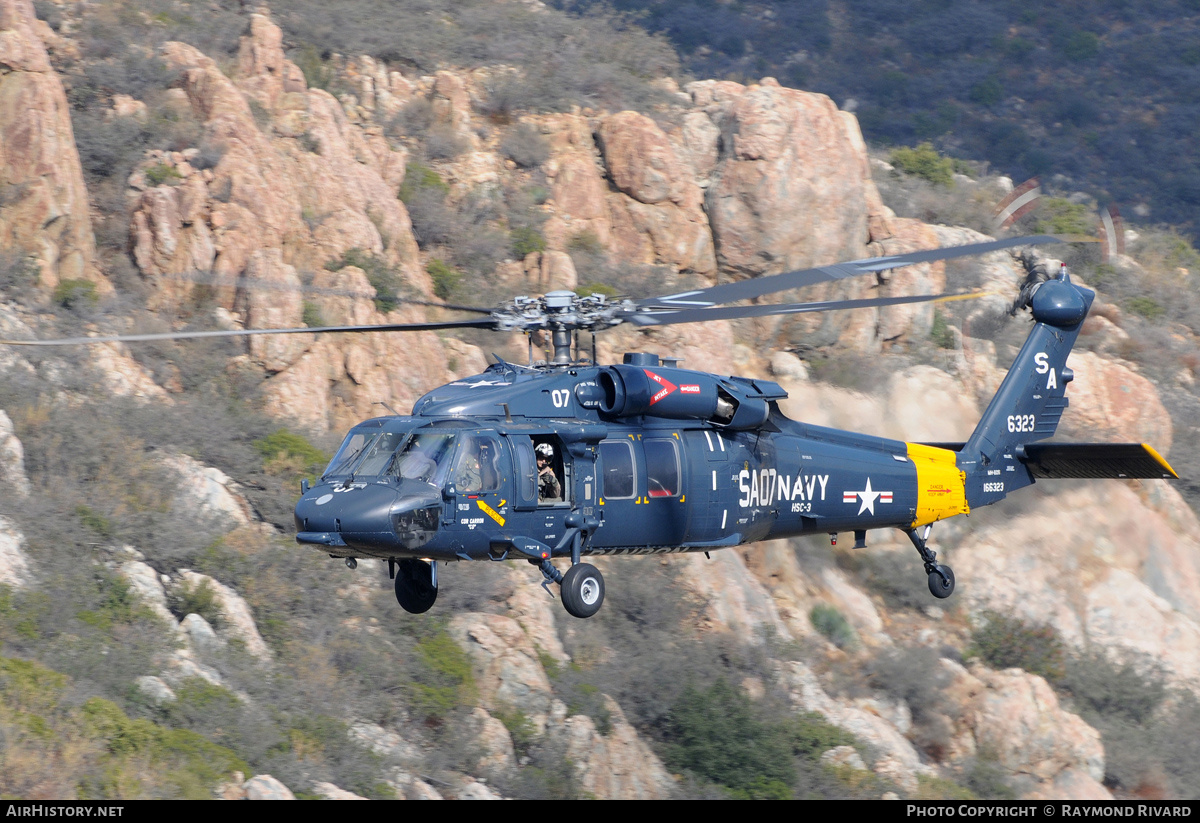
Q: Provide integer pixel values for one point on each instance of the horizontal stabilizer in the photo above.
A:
(1096, 460)
(1064, 461)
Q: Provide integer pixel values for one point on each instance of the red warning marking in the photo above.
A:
(667, 386)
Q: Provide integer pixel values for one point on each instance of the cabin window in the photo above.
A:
(616, 460)
(526, 469)
(662, 468)
(552, 484)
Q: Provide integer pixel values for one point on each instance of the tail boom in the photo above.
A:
(1032, 398)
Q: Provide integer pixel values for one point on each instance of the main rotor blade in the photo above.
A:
(251, 284)
(736, 312)
(759, 286)
(190, 335)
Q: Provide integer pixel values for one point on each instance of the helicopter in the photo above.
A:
(569, 459)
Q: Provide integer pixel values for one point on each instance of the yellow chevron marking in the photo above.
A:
(941, 487)
(492, 513)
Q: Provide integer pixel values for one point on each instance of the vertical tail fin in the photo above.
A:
(1032, 398)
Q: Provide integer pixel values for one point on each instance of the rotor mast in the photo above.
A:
(563, 322)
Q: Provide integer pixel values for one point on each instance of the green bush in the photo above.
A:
(520, 728)
(1004, 642)
(525, 146)
(382, 276)
(421, 178)
(201, 600)
(444, 276)
(1147, 307)
(833, 624)
(445, 680)
(939, 331)
(98, 523)
(526, 240)
(989, 92)
(18, 272)
(586, 243)
(1057, 215)
(161, 173)
(720, 736)
(926, 163)
(715, 734)
(311, 316)
(318, 74)
(287, 454)
(74, 294)
(284, 445)
(988, 780)
(188, 762)
(596, 288)
(1100, 686)
(1081, 45)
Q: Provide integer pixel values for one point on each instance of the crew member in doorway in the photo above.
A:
(549, 489)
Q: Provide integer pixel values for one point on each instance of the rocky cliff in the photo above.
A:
(733, 181)
(43, 201)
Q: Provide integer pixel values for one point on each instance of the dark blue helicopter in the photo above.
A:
(572, 459)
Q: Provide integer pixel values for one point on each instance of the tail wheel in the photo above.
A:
(941, 582)
(415, 591)
(582, 590)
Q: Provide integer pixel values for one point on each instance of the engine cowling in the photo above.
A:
(675, 394)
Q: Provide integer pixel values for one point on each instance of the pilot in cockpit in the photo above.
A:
(468, 474)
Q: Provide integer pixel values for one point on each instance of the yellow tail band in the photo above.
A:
(941, 485)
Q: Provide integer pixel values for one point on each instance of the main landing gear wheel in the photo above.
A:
(941, 578)
(582, 590)
(415, 589)
(941, 582)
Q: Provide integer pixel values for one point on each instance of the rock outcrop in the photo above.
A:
(43, 200)
(286, 197)
(14, 563)
(746, 181)
(236, 620)
(12, 459)
(617, 764)
(1014, 717)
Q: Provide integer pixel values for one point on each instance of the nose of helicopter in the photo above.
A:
(372, 518)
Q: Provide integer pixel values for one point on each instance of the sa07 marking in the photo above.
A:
(1021, 422)
(561, 398)
(993, 487)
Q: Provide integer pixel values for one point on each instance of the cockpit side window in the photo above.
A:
(425, 457)
(477, 466)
